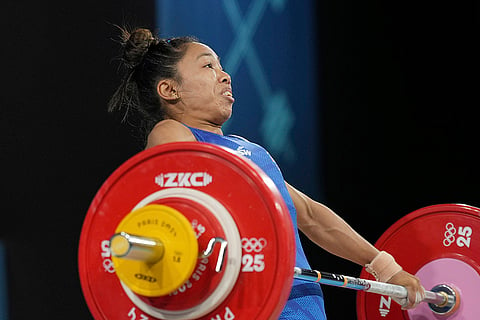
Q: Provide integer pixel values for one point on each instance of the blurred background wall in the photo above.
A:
(269, 48)
(385, 93)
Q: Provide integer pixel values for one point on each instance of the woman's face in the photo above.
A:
(205, 89)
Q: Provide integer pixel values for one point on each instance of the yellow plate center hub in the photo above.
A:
(154, 250)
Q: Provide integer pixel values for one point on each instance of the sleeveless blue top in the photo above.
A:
(262, 158)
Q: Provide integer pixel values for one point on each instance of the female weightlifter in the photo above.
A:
(179, 92)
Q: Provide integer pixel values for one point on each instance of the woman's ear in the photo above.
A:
(166, 90)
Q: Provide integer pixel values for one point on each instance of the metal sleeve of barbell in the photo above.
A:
(388, 289)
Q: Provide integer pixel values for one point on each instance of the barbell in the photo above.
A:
(195, 231)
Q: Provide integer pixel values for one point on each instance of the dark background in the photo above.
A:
(399, 84)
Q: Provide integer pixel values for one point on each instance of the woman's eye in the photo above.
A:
(209, 65)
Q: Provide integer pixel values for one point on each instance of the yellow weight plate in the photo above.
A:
(180, 254)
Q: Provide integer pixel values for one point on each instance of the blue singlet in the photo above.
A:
(306, 298)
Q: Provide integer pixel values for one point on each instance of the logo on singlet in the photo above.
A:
(243, 152)
(183, 179)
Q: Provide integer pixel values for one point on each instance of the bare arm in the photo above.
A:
(169, 131)
(329, 231)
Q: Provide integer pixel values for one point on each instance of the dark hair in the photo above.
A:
(145, 60)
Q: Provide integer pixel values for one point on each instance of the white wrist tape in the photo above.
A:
(383, 267)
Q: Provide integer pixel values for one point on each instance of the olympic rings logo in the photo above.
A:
(449, 234)
(108, 266)
(253, 244)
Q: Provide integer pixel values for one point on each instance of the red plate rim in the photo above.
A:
(455, 207)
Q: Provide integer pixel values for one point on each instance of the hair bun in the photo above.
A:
(136, 45)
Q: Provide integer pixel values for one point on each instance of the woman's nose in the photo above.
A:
(225, 77)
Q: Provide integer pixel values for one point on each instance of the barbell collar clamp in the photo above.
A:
(221, 254)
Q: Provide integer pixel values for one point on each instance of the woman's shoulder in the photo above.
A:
(167, 131)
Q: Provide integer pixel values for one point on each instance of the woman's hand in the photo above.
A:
(416, 292)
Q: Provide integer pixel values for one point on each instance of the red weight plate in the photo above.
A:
(258, 212)
(427, 238)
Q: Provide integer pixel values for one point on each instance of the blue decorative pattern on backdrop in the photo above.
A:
(268, 48)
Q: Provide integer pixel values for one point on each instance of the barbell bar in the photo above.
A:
(444, 300)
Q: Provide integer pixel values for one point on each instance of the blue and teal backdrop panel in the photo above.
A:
(269, 49)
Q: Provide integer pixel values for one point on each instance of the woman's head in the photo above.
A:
(177, 78)
(146, 59)
(202, 95)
